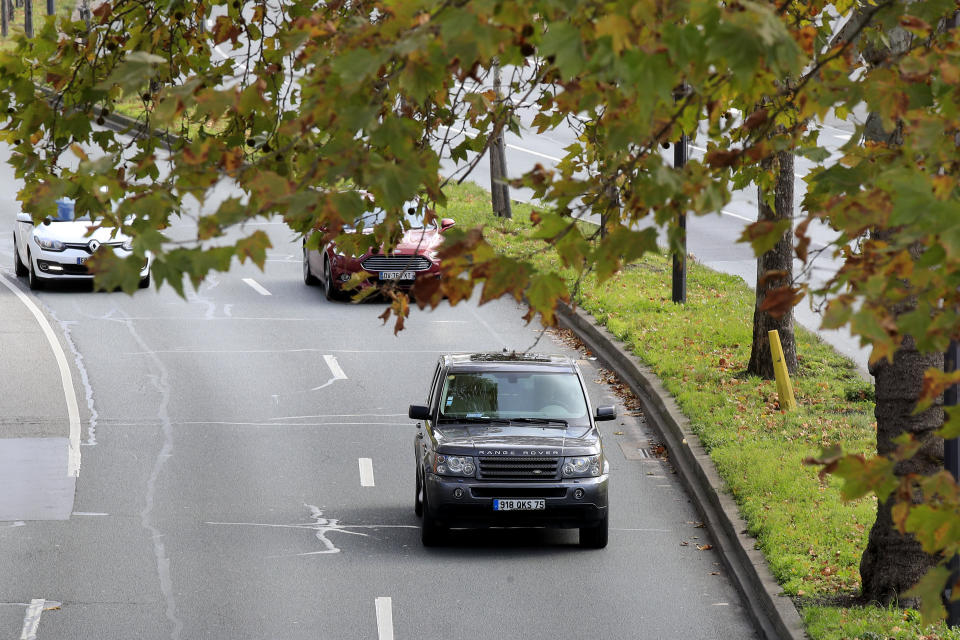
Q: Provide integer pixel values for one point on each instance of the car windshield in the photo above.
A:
(554, 396)
(412, 219)
(66, 212)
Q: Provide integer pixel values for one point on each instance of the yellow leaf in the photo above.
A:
(618, 28)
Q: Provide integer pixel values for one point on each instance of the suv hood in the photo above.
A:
(505, 440)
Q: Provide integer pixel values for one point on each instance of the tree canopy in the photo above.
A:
(287, 103)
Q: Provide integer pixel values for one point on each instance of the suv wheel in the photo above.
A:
(431, 533)
(595, 537)
(418, 496)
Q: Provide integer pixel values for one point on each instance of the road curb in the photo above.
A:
(774, 613)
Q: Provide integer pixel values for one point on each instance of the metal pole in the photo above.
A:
(50, 8)
(951, 462)
(28, 17)
(680, 256)
(4, 17)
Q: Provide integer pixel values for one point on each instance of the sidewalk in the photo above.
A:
(34, 422)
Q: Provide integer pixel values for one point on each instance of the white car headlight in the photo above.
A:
(582, 467)
(445, 465)
(48, 244)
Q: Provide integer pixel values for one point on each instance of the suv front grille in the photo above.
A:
(396, 263)
(518, 467)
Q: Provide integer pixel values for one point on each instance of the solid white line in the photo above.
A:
(384, 618)
(89, 513)
(32, 619)
(366, 472)
(66, 379)
(256, 286)
(335, 369)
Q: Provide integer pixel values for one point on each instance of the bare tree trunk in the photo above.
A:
(28, 18)
(4, 17)
(774, 270)
(499, 190)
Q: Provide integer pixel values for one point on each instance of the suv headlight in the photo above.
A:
(454, 465)
(582, 467)
(47, 244)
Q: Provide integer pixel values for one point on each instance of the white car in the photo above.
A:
(59, 248)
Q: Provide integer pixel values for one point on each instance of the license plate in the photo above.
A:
(397, 275)
(502, 504)
(82, 260)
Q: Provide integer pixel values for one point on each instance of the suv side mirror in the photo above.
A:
(418, 412)
(605, 413)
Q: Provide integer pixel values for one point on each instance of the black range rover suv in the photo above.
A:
(508, 440)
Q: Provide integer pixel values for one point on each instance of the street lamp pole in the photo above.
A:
(951, 462)
(680, 255)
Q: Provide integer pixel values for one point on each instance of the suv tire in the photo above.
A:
(431, 533)
(595, 537)
(417, 496)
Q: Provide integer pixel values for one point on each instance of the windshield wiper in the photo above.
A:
(474, 420)
(558, 421)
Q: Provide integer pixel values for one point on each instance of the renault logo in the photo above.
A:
(93, 245)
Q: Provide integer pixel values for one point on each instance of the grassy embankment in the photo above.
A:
(811, 538)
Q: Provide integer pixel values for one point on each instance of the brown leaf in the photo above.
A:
(704, 547)
(780, 301)
(756, 119)
(719, 158)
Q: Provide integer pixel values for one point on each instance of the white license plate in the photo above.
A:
(502, 504)
(82, 260)
(397, 275)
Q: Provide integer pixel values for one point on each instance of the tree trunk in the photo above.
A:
(774, 270)
(893, 562)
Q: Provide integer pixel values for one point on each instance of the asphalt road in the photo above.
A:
(221, 491)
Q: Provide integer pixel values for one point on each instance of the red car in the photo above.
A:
(413, 258)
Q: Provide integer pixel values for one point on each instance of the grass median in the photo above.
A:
(811, 538)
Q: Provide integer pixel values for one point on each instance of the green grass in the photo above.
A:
(60, 8)
(811, 538)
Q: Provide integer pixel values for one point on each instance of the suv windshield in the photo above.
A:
(513, 395)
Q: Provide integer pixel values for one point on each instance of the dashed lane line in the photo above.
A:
(366, 472)
(256, 286)
(384, 608)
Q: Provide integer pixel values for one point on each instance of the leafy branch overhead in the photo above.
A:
(285, 110)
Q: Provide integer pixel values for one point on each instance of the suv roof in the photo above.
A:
(507, 359)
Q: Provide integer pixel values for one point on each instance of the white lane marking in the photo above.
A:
(89, 513)
(366, 472)
(16, 523)
(721, 604)
(384, 608)
(335, 367)
(256, 286)
(335, 370)
(645, 530)
(31, 620)
(533, 153)
(736, 215)
(66, 379)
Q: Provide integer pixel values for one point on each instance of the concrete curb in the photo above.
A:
(774, 614)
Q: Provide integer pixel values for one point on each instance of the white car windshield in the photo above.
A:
(66, 212)
(509, 394)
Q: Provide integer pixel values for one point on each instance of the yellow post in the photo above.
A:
(784, 386)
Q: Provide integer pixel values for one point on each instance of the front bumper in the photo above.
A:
(63, 265)
(474, 507)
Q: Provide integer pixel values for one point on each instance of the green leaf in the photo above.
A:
(564, 42)
(136, 69)
(929, 590)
